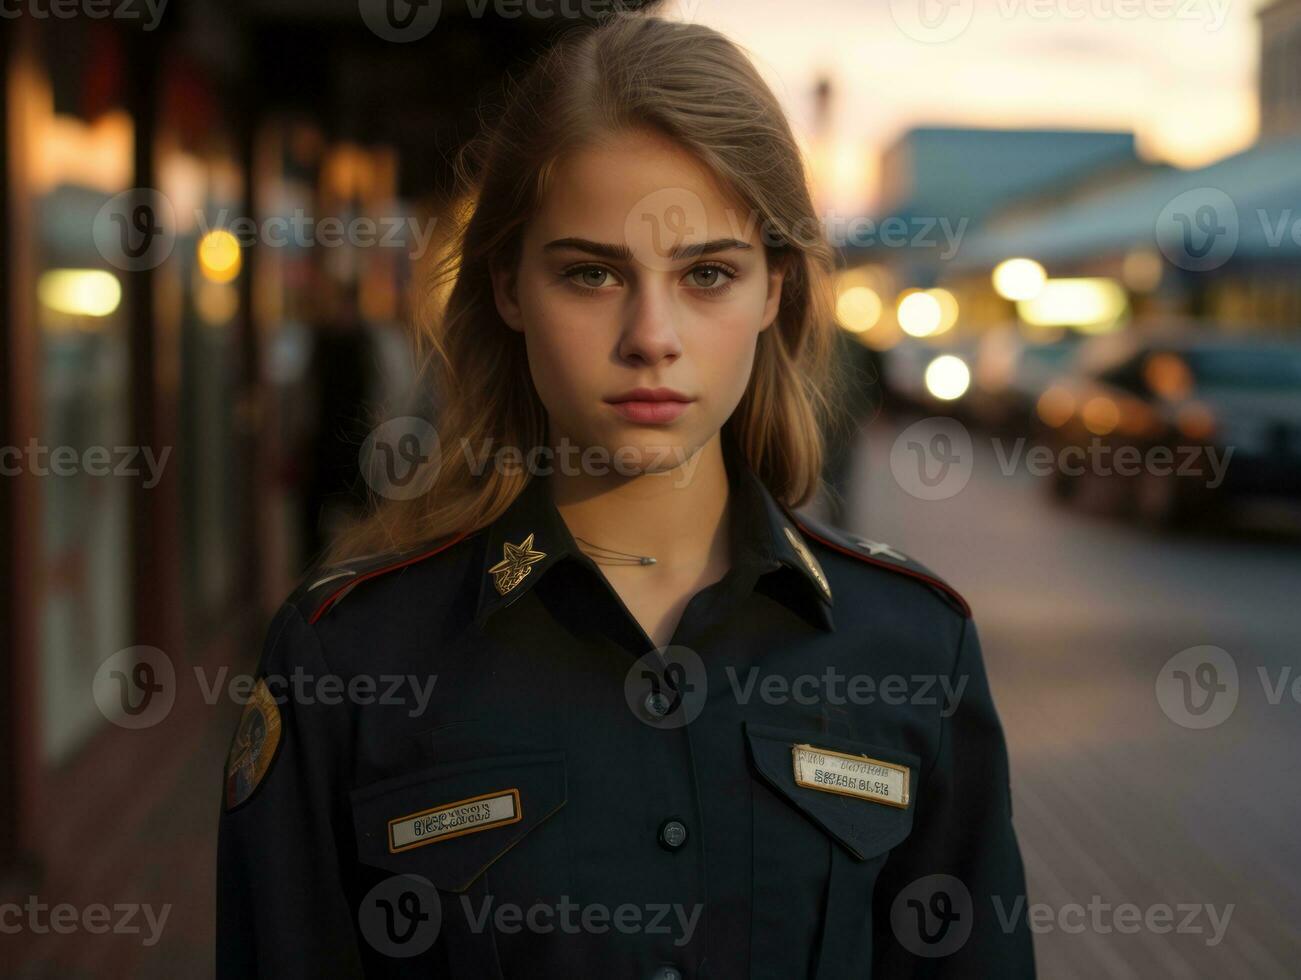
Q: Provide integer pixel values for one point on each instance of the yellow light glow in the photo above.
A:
(919, 313)
(1142, 270)
(1019, 279)
(1168, 375)
(858, 308)
(948, 308)
(219, 256)
(183, 179)
(1089, 304)
(79, 292)
(1056, 406)
(947, 377)
(1100, 414)
(216, 302)
(1196, 421)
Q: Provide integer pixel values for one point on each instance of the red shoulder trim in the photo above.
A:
(892, 566)
(334, 596)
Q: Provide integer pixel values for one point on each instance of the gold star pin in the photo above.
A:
(515, 566)
(810, 562)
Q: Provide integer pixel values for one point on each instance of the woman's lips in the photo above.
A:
(647, 412)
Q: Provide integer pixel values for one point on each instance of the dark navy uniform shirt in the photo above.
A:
(469, 761)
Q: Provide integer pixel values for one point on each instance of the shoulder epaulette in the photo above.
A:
(881, 555)
(322, 589)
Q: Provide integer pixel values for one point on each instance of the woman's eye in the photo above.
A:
(710, 277)
(706, 278)
(590, 277)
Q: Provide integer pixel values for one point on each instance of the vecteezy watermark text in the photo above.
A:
(572, 918)
(1102, 459)
(1199, 687)
(120, 919)
(136, 688)
(42, 460)
(148, 11)
(401, 458)
(303, 688)
(837, 688)
(402, 917)
(940, 21)
(303, 230)
(1185, 918)
(571, 459)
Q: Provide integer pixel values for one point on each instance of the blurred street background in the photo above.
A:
(1069, 292)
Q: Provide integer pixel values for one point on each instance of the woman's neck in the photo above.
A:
(678, 517)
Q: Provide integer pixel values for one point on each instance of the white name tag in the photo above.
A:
(851, 775)
(454, 819)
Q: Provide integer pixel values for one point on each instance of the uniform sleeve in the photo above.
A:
(282, 909)
(951, 901)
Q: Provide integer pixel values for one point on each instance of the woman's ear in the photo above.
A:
(504, 294)
(776, 276)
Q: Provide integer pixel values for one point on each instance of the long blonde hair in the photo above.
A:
(693, 85)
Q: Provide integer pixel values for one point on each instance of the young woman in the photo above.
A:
(598, 702)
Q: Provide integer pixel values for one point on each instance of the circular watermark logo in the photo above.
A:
(1198, 687)
(667, 687)
(400, 21)
(662, 222)
(135, 230)
(401, 916)
(932, 917)
(1198, 230)
(399, 459)
(135, 687)
(932, 21)
(932, 459)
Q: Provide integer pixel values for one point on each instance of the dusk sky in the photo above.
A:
(1181, 74)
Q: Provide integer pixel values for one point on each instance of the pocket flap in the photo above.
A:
(450, 823)
(866, 827)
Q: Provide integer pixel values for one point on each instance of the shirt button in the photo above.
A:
(657, 704)
(673, 834)
(667, 973)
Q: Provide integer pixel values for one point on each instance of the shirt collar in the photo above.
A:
(531, 536)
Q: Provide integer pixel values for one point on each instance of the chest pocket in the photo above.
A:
(450, 823)
(817, 854)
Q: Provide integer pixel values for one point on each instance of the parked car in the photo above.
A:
(1012, 370)
(1212, 416)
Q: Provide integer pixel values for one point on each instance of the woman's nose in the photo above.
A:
(650, 329)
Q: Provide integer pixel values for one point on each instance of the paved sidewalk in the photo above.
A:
(127, 844)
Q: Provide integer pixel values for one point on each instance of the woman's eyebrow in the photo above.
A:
(622, 253)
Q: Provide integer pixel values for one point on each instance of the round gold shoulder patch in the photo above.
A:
(254, 747)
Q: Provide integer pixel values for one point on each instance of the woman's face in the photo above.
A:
(639, 272)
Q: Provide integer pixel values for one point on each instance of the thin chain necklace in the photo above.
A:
(608, 556)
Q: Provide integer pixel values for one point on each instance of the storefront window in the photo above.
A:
(71, 167)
